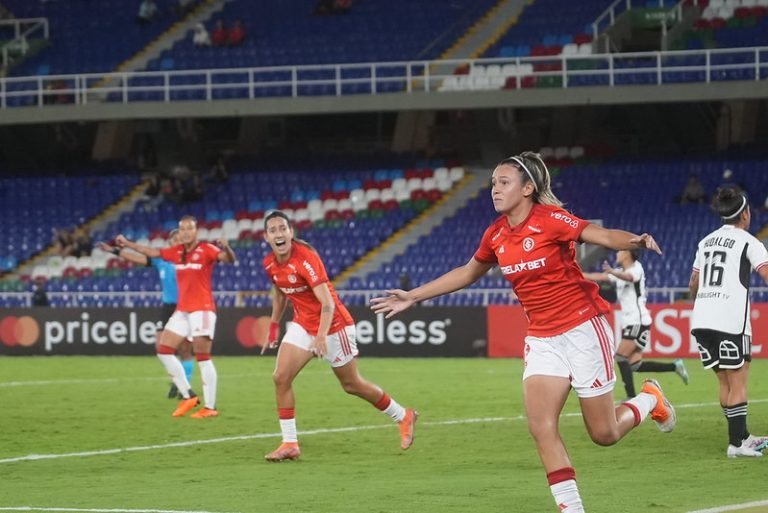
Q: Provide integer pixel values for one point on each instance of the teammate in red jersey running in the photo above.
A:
(195, 314)
(569, 343)
(321, 326)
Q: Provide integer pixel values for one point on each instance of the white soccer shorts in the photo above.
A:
(342, 345)
(192, 324)
(583, 354)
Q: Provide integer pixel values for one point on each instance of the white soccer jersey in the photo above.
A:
(724, 260)
(632, 296)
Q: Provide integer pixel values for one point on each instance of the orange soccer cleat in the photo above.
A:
(286, 451)
(406, 428)
(664, 413)
(185, 405)
(205, 413)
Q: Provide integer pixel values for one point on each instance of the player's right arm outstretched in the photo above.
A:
(279, 303)
(398, 300)
(122, 242)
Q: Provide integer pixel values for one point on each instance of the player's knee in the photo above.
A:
(620, 358)
(604, 437)
(351, 386)
(542, 429)
(281, 379)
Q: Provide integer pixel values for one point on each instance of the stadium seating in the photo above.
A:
(32, 206)
(362, 206)
(88, 37)
(638, 197)
(287, 33)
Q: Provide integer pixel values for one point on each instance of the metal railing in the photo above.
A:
(23, 29)
(237, 298)
(649, 68)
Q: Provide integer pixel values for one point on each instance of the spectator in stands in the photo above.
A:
(83, 243)
(237, 34)
(147, 12)
(693, 192)
(39, 297)
(219, 34)
(184, 6)
(218, 172)
(405, 280)
(322, 327)
(63, 241)
(200, 36)
(166, 271)
(569, 343)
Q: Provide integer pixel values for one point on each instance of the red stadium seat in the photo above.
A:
(580, 39)
(510, 83)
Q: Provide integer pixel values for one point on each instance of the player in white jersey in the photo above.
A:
(629, 279)
(721, 311)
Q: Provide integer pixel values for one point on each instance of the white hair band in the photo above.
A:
(527, 171)
(741, 208)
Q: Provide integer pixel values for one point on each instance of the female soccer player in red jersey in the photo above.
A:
(569, 343)
(321, 327)
(195, 314)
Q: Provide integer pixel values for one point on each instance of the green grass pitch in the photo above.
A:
(108, 422)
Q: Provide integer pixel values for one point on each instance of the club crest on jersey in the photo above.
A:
(195, 256)
(528, 244)
(292, 278)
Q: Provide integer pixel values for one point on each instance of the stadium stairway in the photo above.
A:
(448, 205)
(109, 214)
(482, 34)
(170, 37)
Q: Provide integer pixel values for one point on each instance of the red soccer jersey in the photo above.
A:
(538, 258)
(193, 274)
(296, 278)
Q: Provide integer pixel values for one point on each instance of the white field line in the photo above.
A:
(732, 507)
(99, 510)
(140, 448)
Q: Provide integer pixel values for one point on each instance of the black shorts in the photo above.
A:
(639, 334)
(720, 350)
(168, 309)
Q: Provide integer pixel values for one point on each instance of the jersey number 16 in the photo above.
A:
(714, 265)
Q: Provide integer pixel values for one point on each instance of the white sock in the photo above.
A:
(210, 378)
(288, 428)
(567, 497)
(395, 411)
(644, 403)
(176, 372)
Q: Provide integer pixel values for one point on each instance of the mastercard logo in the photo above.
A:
(252, 331)
(19, 331)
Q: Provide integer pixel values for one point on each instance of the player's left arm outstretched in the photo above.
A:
(618, 239)
(148, 251)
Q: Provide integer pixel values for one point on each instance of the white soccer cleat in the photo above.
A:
(680, 370)
(742, 452)
(756, 443)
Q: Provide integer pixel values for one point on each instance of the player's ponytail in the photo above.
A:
(729, 203)
(534, 170)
